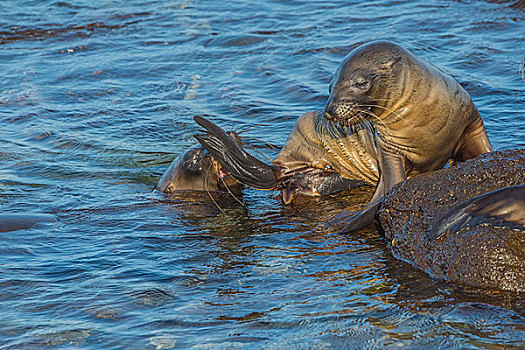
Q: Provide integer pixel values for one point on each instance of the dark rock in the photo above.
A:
(484, 254)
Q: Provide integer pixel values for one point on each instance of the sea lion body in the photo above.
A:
(390, 115)
(419, 117)
(318, 143)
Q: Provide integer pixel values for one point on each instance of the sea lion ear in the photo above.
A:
(388, 65)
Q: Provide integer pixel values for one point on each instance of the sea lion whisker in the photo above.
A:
(228, 189)
(246, 128)
(263, 155)
(208, 191)
(375, 117)
(266, 144)
(268, 158)
(387, 129)
(231, 193)
(371, 129)
(387, 109)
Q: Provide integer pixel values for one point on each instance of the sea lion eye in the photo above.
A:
(361, 83)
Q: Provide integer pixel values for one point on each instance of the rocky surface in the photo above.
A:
(482, 255)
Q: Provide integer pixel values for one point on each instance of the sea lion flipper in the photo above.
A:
(503, 207)
(362, 218)
(243, 166)
(452, 221)
(393, 171)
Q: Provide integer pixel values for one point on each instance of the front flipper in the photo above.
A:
(243, 166)
(363, 218)
(503, 207)
(393, 171)
(473, 142)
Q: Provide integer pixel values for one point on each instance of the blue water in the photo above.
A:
(97, 98)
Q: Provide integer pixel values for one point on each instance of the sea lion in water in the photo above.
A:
(197, 170)
(326, 177)
(390, 115)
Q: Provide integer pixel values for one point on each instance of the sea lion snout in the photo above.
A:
(346, 111)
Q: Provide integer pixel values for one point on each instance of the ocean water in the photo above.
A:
(98, 97)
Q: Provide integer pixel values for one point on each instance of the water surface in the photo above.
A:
(97, 98)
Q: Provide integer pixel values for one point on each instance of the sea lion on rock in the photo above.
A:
(465, 223)
(390, 116)
(418, 116)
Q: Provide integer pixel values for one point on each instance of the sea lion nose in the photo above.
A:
(328, 111)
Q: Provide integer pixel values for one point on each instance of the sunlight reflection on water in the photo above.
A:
(97, 99)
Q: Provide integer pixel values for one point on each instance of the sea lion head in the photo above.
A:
(196, 170)
(365, 83)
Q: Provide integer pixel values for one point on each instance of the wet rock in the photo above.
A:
(13, 222)
(487, 253)
(152, 297)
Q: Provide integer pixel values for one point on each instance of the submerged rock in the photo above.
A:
(12, 222)
(421, 226)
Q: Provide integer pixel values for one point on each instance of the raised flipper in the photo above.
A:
(252, 172)
(243, 166)
(503, 207)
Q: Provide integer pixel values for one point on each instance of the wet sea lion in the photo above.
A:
(390, 116)
(418, 116)
(196, 170)
(312, 170)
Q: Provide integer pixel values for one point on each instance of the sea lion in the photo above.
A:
(419, 117)
(312, 171)
(390, 115)
(196, 170)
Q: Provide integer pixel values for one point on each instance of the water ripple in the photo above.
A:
(96, 101)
